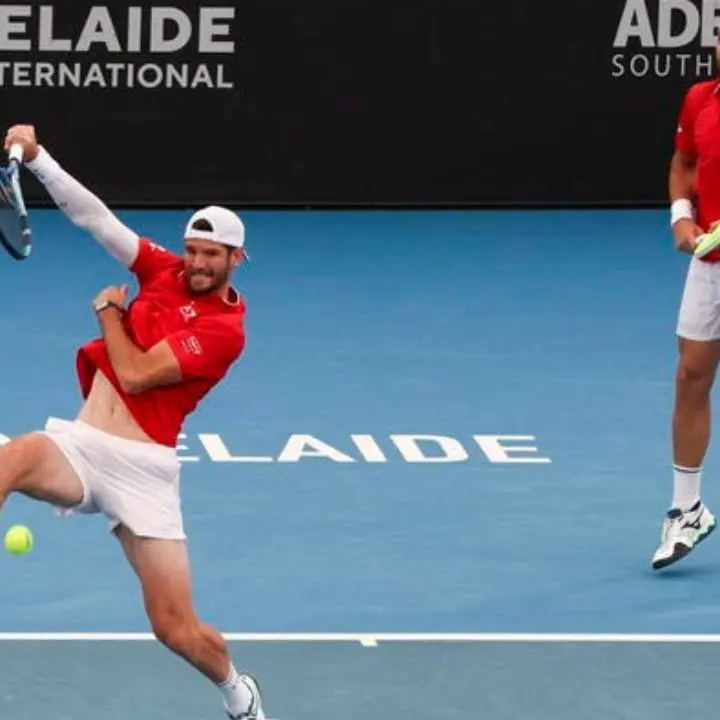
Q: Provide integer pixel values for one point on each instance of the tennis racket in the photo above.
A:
(15, 234)
(707, 243)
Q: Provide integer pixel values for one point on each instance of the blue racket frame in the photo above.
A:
(11, 192)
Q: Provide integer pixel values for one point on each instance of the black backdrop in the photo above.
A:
(361, 101)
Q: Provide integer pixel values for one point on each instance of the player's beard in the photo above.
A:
(211, 282)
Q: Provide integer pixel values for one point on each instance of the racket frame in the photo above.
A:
(12, 173)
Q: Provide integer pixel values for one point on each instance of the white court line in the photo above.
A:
(373, 639)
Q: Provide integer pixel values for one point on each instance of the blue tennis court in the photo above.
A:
(450, 422)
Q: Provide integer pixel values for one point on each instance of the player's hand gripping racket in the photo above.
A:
(708, 242)
(15, 234)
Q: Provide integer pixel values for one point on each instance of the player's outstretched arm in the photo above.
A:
(78, 203)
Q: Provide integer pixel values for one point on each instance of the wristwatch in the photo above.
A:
(104, 304)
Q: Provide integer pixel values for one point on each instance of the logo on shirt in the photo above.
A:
(192, 345)
(657, 38)
(188, 312)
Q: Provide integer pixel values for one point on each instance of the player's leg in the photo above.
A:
(691, 422)
(34, 465)
(163, 569)
(689, 521)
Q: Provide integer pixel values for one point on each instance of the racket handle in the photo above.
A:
(16, 153)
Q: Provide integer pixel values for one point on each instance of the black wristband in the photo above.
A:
(110, 304)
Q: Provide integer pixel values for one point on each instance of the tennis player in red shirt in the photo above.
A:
(155, 358)
(694, 186)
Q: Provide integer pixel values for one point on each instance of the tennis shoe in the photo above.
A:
(681, 533)
(255, 711)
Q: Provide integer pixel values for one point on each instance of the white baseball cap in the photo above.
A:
(227, 227)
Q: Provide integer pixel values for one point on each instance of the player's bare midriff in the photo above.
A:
(104, 409)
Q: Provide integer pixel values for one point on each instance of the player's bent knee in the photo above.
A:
(18, 459)
(173, 628)
(33, 465)
(178, 637)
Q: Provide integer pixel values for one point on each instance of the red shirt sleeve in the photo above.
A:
(209, 348)
(685, 133)
(152, 259)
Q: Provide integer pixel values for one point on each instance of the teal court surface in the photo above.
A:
(431, 487)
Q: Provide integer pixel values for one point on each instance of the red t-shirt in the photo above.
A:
(205, 332)
(698, 135)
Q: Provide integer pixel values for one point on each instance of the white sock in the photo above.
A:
(236, 693)
(686, 487)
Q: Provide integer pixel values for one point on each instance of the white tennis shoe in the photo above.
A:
(255, 711)
(681, 533)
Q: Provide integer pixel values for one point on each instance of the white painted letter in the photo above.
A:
(634, 22)
(209, 28)
(99, 28)
(689, 27)
(369, 448)
(492, 446)
(47, 41)
(218, 451)
(452, 449)
(8, 27)
(295, 448)
(158, 41)
(181, 446)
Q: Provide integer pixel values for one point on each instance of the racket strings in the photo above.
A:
(7, 195)
(14, 228)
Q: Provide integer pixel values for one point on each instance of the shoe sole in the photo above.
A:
(684, 550)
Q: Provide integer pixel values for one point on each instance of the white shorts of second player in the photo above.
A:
(699, 317)
(132, 483)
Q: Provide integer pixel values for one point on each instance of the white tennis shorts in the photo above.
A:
(699, 316)
(132, 483)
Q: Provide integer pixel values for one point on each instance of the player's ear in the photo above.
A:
(236, 257)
